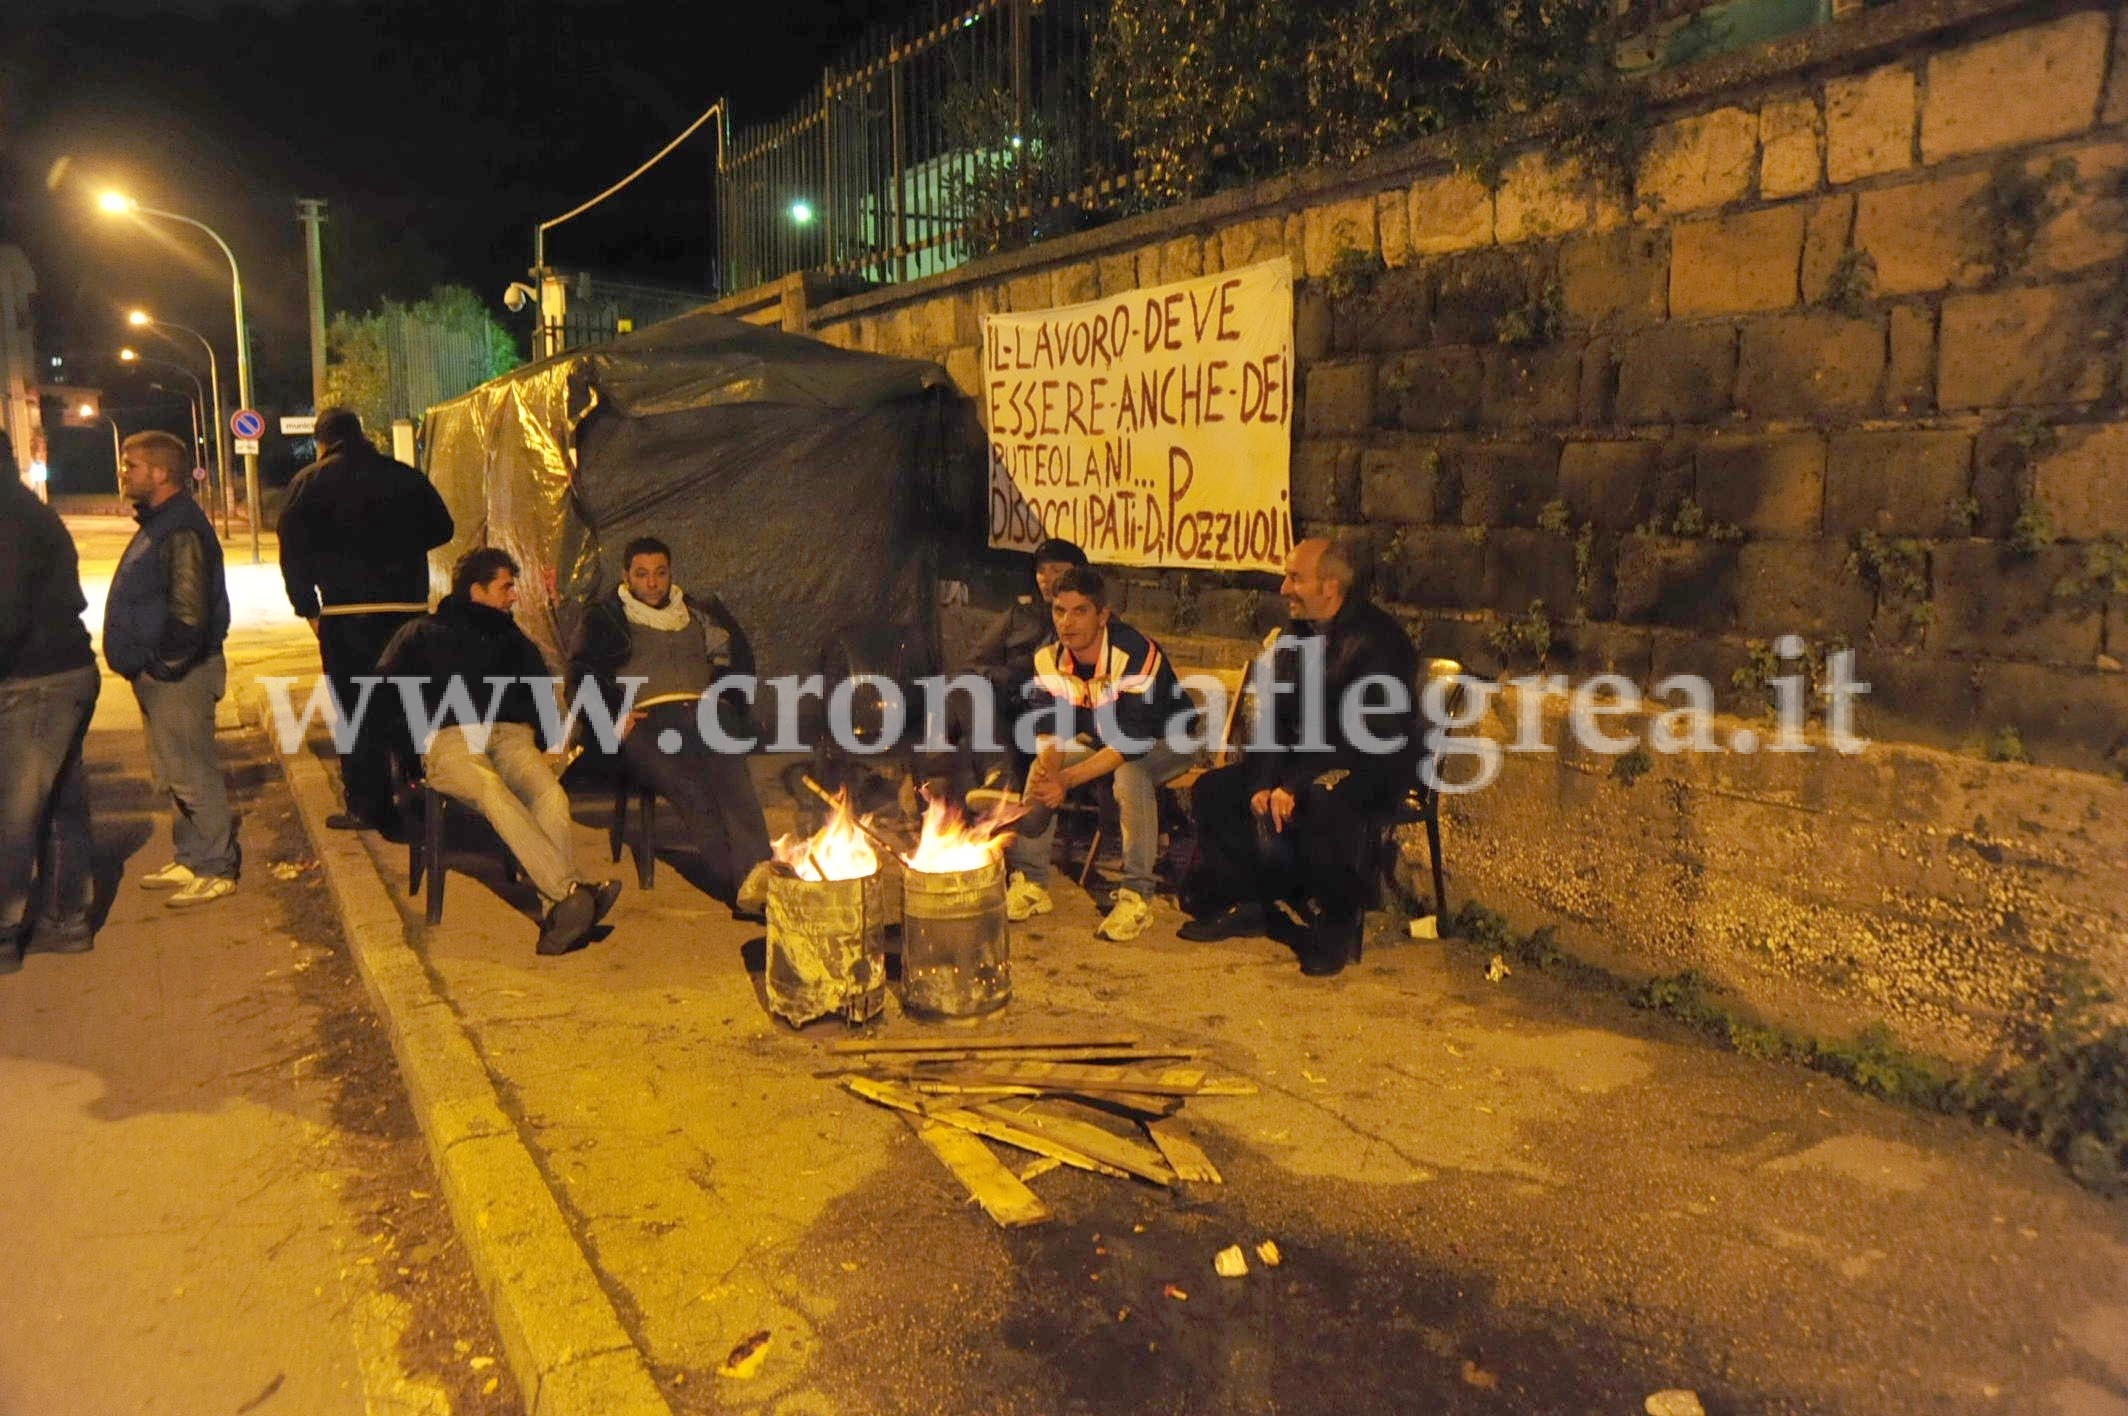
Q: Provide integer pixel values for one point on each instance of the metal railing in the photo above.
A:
(970, 131)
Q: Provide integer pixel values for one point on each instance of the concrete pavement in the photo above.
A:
(1491, 1196)
(216, 1199)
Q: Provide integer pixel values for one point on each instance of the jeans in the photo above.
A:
(350, 646)
(1137, 807)
(512, 784)
(712, 790)
(180, 720)
(44, 805)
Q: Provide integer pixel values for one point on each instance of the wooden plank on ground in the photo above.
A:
(1183, 1152)
(1035, 1054)
(973, 1044)
(1002, 1194)
(1069, 1076)
(903, 1099)
(1084, 1137)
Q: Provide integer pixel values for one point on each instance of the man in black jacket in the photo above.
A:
(1290, 821)
(48, 686)
(355, 536)
(467, 660)
(163, 627)
(671, 648)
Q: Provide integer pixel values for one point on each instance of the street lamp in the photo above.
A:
(117, 203)
(196, 398)
(141, 319)
(89, 413)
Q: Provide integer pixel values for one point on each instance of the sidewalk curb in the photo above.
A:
(560, 1334)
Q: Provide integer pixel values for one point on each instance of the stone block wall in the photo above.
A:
(1844, 359)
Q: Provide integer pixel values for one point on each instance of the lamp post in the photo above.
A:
(196, 398)
(89, 413)
(118, 203)
(141, 319)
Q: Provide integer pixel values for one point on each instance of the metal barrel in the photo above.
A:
(826, 948)
(956, 947)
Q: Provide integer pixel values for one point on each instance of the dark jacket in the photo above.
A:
(1361, 640)
(169, 606)
(41, 632)
(1005, 653)
(1127, 679)
(604, 639)
(476, 643)
(357, 530)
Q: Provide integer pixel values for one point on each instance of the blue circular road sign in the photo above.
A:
(247, 423)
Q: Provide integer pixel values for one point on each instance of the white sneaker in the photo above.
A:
(1024, 899)
(171, 877)
(204, 889)
(1127, 920)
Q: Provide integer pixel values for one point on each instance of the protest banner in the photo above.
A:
(1153, 428)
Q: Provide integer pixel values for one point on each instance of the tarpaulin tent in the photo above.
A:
(811, 487)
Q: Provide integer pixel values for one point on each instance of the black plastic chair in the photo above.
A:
(646, 835)
(425, 850)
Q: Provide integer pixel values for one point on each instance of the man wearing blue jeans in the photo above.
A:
(1114, 707)
(163, 629)
(48, 686)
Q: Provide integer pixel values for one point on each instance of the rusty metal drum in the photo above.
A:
(826, 948)
(956, 948)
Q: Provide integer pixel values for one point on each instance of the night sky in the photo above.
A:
(438, 134)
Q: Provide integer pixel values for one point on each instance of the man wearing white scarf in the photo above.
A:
(649, 629)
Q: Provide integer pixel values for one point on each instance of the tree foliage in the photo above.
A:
(1207, 92)
(367, 364)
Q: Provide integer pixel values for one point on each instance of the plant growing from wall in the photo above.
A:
(1353, 273)
(2014, 205)
(1896, 570)
(2007, 745)
(1559, 521)
(1689, 523)
(1526, 637)
(1629, 767)
(2102, 579)
(1851, 284)
(1538, 320)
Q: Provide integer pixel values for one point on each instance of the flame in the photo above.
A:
(837, 851)
(951, 842)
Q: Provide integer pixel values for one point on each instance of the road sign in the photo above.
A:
(298, 427)
(246, 423)
(246, 445)
(199, 474)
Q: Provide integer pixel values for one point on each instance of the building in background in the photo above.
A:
(20, 372)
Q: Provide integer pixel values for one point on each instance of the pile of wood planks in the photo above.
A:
(1105, 1104)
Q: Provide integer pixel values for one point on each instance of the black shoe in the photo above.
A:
(1243, 921)
(10, 955)
(568, 925)
(1332, 944)
(603, 896)
(51, 937)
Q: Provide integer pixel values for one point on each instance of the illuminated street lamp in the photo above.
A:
(801, 212)
(118, 204)
(197, 399)
(141, 319)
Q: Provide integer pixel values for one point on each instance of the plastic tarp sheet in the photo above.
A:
(813, 488)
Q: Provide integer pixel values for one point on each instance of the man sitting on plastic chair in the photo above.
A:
(1114, 707)
(1291, 823)
(471, 647)
(676, 646)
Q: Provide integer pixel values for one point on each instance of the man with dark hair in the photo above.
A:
(1289, 822)
(163, 627)
(470, 648)
(48, 687)
(670, 647)
(355, 536)
(1116, 706)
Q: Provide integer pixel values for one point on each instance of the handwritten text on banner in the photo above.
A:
(1153, 428)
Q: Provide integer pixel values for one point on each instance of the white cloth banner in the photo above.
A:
(1153, 428)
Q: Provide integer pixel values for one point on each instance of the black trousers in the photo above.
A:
(350, 645)
(712, 790)
(1322, 856)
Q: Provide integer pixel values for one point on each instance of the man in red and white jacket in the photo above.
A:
(1106, 702)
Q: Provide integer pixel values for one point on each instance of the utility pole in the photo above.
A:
(311, 212)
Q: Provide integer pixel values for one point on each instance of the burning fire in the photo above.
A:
(837, 851)
(951, 842)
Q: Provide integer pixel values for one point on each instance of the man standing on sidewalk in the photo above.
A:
(355, 536)
(162, 631)
(48, 686)
(470, 651)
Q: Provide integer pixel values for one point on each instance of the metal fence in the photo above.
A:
(972, 130)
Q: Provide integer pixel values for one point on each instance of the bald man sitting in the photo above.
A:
(1290, 821)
